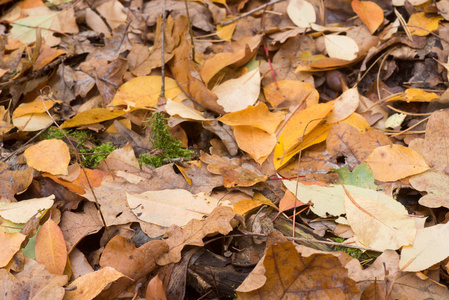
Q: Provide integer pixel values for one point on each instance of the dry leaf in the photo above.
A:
(50, 248)
(256, 116)
(379, 221)
(291, 92)
(91, 284)
(369, 12)
(344, 106)
(92, 116)
(301, 13)
(292, 276)
(52, 156)
(393, 162)
(341, 47)
(254, 141)
(21, 212)
(237, 94)
(421, 25)
(11, 243)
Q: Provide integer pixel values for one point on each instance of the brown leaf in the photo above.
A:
(233, 174)
(155, 290)
(77, 225)
(13, 181)
(289, 275)
(186, 74)
(221, 220)
(345, 140)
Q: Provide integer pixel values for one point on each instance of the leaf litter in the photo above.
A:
(303, 142)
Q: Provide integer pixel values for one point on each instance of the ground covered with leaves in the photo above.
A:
(224, 148)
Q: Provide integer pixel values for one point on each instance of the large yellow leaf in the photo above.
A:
(257, 116)
(421, 25)
(51, 250)
(257, 143)
(144, 91)
(369, 12)
(299, 124)
(379, 221)
(92, 116)
(393, 162)
(52, 156)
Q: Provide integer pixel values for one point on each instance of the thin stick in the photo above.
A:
(407, 113)
(411, 127)
(162, 94)
(331, 243)
(190, 31)
(249, 13)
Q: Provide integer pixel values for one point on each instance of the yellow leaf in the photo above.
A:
(257, 143)
(50, 156)
(34, 107)
(414, 95)
(393, 162)
(300, 123)
(257, 116)
(244, 206)
(225, 32)
(421, 25)
(369, 12)
(92, 116)
(144, 91)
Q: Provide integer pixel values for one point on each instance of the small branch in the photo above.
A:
(331, 243)
(164, 9)
(249, 13)
(190, 31)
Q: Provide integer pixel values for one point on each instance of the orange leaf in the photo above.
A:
(369, 12)
(257, 143)
(393, 162)
(155, 290)
(50, 249)
(9, 246)
(52, 156)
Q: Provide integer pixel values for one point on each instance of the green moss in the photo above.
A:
(80, 136)
(169, 147)
(92, 157)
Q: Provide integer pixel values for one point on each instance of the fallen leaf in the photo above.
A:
(237, 94)
(431, 148)
(221, 220)
(11, 243)
(301, 12)
(256, 116)
(168, 207)
(435, 184)
(21, 212)
(50, 248)
(421, 25)
(291, 92)
(430, 247)
(52, 156)
(297, 126)
(414, 95)
(379, 221)
(91, 284)
(155, 289)
(92, 116)
(256, 142)
(242, 51)
(233, 174)
(344, 106)
(361, 176)
(245, 206)
(369, 12)
(141, 92)
(178, 109)
(290, 275)
(341, 47)
(393, 162)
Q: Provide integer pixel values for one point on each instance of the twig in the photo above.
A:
(331, 243)
(224, 23)
(190, 31)
(164, 9)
